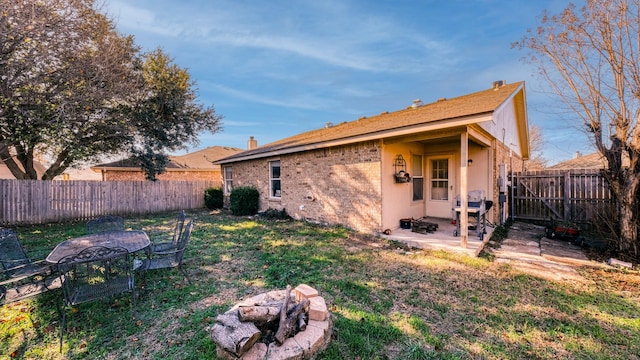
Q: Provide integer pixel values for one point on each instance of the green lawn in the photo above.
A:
(386, 302)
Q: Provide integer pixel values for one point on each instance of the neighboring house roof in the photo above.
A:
(388, 124)
(5, 173)
(198, 160)
(589, 161)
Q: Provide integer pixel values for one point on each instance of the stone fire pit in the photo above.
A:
(238, 339)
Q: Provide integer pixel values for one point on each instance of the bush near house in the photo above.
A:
(213, 198)
(244, 200)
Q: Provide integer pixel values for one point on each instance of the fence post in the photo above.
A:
(567, 197)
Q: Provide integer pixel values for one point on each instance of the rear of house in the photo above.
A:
(369, 173)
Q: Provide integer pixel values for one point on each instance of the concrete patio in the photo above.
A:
(443, 238)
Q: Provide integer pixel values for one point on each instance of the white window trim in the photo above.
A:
(271, 179)
(421, 176)
(227, 184)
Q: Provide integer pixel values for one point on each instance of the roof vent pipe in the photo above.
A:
(498, 83)
(416, 103)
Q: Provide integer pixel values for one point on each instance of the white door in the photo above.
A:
(440, 186)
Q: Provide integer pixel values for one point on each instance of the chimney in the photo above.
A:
(416, 103)
(328, 125)
(252, 143)
(498, 83)
(578, 154)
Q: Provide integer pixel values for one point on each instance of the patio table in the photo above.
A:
(133, 241)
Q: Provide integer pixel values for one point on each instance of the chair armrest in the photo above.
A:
(20, 263)
(162, 246)
(31, 269)
(166, 252)
(13, 280)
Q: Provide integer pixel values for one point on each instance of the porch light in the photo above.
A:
(469, 162)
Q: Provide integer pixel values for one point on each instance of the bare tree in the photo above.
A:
(536, 146)
(590, 58)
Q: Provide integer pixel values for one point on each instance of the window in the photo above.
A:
(227, 176)
(274, 179)
(440, 179)
(417, 177)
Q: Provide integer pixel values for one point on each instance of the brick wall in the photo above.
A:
(339, 185)
(169, 175)
(514, 164)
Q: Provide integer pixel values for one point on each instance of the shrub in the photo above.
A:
(274, 214)
(213, 198)
(244, 200)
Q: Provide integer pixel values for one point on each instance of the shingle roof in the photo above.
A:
(478, 103)
(589, 161)
(197, 160)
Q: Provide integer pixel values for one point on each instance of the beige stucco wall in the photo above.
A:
(397, 198)
(339, 185)
(513, 162)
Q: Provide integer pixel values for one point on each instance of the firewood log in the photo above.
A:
(289, 319)
(259, 314)
(233, 335)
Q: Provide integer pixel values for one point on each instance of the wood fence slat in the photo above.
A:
(38, 201)
(565, 195)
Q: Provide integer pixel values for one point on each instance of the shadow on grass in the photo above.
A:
(386, 303)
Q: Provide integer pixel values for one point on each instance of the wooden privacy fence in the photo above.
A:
(563, 195)
(38, 201)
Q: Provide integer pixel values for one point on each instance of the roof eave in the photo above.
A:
(109, 168)
(431, 126)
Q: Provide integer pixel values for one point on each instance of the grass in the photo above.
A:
(386, 302)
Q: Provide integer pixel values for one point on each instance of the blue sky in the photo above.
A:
(278, 68)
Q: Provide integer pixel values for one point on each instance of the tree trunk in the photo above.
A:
(625, 185)
(628, 208)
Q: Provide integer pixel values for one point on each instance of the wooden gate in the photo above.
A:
(575, 195)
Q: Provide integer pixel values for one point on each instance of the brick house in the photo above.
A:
(354, 173)
(197, 165)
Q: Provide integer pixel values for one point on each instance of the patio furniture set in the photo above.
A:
(95, 266)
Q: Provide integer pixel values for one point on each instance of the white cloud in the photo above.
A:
(331, 35)
(300, 101)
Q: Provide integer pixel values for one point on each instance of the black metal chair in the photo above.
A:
(171, 258)
(177, 232)
(95, 273)
(21, 277)
(105, 223)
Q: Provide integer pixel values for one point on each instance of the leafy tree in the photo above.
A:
(62, 67)
(72, 89)
(166, 115)
(589, 57)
